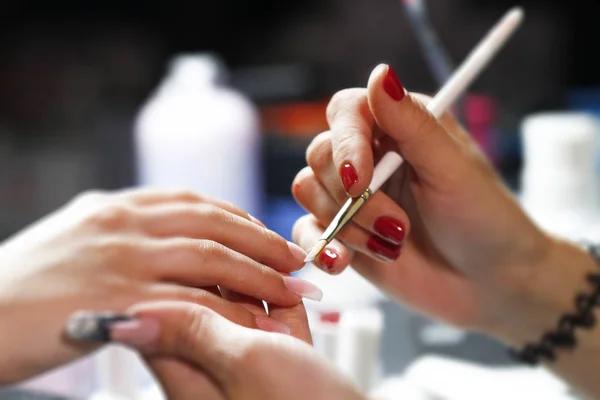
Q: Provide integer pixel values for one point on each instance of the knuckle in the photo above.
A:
(113, 247)
(341, 100)
(193, 331)
(210, 211)
(318, 153)
(111, 217)
(211, 250)
(250, 357)
(185, 195)
(344, 147)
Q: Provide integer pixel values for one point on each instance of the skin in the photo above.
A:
(219, 360)
(109, 251)
(471, 257)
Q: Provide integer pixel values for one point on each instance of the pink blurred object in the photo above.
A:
(480, 116)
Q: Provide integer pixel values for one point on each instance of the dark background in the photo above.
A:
(73, 74)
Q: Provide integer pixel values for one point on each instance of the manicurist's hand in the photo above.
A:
(444, 235)
(109, 251)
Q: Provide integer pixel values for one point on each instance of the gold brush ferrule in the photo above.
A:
(345, 215)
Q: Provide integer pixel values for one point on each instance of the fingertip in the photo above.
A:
(333, 259)
(377, 75)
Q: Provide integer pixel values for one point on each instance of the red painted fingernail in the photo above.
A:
(327, 259)
(384, 249)
(392, 85)
(349, 176)
(390, 228)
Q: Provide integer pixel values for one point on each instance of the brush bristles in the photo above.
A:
(316, 249)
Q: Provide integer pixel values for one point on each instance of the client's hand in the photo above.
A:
(197, 354)
(443, 235)
(109, 251)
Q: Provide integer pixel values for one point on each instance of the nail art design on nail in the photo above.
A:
(349, 176)
(392, 85)
(390, 228)
(93, 327)
(327, 260)
(303, 288)
(383, 249)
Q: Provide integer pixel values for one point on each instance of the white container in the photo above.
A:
(559, 180)
(358, 348)
(198, 134)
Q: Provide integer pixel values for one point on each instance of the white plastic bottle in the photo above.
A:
(198, 134)
(559, 179)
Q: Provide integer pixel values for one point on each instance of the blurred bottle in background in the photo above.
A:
(559, 178)
(197, 133)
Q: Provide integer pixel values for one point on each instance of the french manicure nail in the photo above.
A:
(349, 176)
(270, 325)
(392, 85)
(297, 251)
(303, 288)
(390, 228)
(327, 259)
(383, 249)
(135, 333)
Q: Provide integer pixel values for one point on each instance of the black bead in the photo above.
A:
(586, 320)
(546, 349)
(594, 279)
(563, 339)
(567, 323)
(584, 303)
(528, 355)
(594, 297)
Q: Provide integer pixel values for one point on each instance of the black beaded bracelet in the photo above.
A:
(564, 334)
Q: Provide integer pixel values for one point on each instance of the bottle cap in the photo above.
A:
(197, 70)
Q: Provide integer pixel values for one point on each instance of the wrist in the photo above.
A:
(533, 303)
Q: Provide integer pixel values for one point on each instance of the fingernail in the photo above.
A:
(392, 85)
(383, 249)
(270, 325)
(297, 251)
(390, 228)
(135, 333)
(256, 221)
(303, 288)
(349, 176)
(327, 260)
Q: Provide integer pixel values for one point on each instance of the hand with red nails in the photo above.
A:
(109, 251)
(197, 354)
(443, 234)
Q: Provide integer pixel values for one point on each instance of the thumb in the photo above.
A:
(186, 331)
(436, 156)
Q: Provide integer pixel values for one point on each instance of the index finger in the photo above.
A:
(351, 124)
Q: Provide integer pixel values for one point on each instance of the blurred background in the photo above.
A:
(74, 75)
(79, 83)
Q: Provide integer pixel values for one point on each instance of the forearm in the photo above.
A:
(537, 305)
